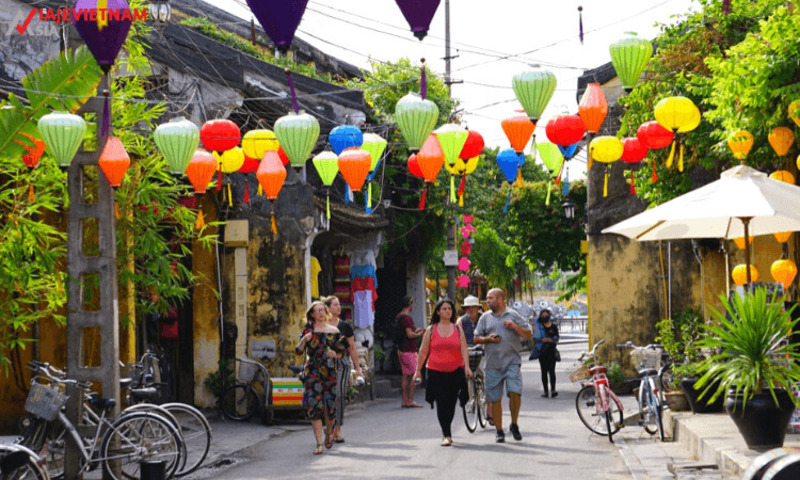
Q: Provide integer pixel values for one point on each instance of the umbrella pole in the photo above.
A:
(746, 223)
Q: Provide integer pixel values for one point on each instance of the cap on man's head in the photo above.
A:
(471, 301)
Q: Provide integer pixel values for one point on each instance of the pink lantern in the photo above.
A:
(464, 264)
(462, 281)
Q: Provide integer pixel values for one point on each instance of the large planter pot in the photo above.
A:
(677, 401)
(699, 405)
(761, 422)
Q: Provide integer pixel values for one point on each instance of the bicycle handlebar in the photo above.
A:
(591, 353)
(629, 344)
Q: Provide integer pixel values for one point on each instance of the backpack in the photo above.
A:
(399, 336)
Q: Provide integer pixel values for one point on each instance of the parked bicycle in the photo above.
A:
(597, 405)
(648, 359)
(475, 409)
(18, 462)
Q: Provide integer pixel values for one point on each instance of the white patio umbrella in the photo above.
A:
(741, 203)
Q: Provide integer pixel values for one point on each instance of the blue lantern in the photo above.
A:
(345, 136)
(569, 151)
(509, 162)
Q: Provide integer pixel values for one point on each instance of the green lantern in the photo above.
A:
(327, 165)
(177, 140)
(534, 89)
(416, 118)
(553, 159)
(629, 57)
(62, 133)
(297, 133)
(375, 145)
(451, 138)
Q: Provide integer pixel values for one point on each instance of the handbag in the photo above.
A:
(558, 355)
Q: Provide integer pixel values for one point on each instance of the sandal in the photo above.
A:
(339, 439)
(318, 450)
(328, 440)
(490, 421)
(447, 441)
(414, 405)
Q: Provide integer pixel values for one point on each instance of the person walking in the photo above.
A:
(343, 365)
(547, 353)
(407, 352)
(502, 330)
(322, 344)
(468, 321)
(445, 348)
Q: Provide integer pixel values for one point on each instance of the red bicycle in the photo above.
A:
(598, 407)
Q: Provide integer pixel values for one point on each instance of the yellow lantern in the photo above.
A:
(431, 284)
(783, 271)
(794, 112)
(229, 161)
(782, 176)
(256, 143)
(739, 274)
(740, 242)
(678, 115)
(605, 149)
(782, 237)
(781, 139)
(740, 144)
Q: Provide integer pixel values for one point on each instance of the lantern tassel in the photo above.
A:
(423, 81)
(580, 24)
(199, 223)
(452, 189)
(461, 200)
(116, 211)
(295, 106)
(422, 198)
(549, 190)
(105, 126)
(680, 157)
(565, 188)
(671, 155)
(633, 185)
(508, 200)
(260, 190)
(519, 178)
(605, 183)
(347, 194)
(461, 187)
(230, 198)
(31, 195)
(557, 180)
(589, 162)
(368, 207)
(655, 173)
(274, 225)
(328, 206)
(219, 179)
(246, 193)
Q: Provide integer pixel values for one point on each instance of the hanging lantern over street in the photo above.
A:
(416, 118)
(114, 161)
(740, 143)
(654, 137)
(565, 130)
(782, 237)
(451, 138)
(605, 149)
(177, 140)
(510, 163)
(783, 271)
(327, 165)
(739, 241)
(518, 130)
(249, 165)
(354, 165)
(104, 38)
(593, 107)
(279, 19)
(297, 134)
(413, 166)
(375, 145)
(629, 56)
(633, 152)
(430, 160)
(271, 174)
(739, 274)
(678, 115)
(534, 88)
(62, 133)
(781, 140)
(219, 135)
(462, 168)
(782, 176)
(419, 14)
(231, 160)
(256, 143)
(200, 172)
(553, 160)
(345, 136)
(473, 146)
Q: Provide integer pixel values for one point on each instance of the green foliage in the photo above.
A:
(615, 374)
(217, 381)
(753, 351)
(680, 336)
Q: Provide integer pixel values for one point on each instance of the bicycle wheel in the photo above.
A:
(590, 413)
(657, 417)
(138, 437)
(607, 415)
(195, 432)
(470, 410)
(239, 402)
(480, 400)
(18, 463)
(647, 408)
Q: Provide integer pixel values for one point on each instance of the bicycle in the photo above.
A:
(18, 462)
(648, 358)
(475, 409)
(597, 405)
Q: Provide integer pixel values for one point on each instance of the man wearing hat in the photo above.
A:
(472, 307)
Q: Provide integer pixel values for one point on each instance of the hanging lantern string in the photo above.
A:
(424, 195)
(295, 106)
(580, 23)
(105, 127)
(423, 81)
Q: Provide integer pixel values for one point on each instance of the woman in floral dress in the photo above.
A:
(323, 344)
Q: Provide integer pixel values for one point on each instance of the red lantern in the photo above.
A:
(565, 130)
(653, 135)
(271, 174)
(518, 130)
(250, 165)
(413, 166)
(430, 159)
(633, 152)
(593, 107)
(354, 166)
(220, 135)
(201, 170)
(114, 161)
(473, 146)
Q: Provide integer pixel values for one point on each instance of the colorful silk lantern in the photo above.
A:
(451, 138)
(518, 130)
(413, 166)
(249, 165)
(678, 115)
(629, 56)
(782, 176)
(345, 136)
(534, 89)
(782, 237)
(740, 244)
(633, 151)
(200, 172)
(327, 165)
(416, 118)
(229, 161)
(177, 140)
(553, 160)
(256, 143)
(654, 137)
(605, 149)
(461, 169)
(279, 19)
(794, 112)
(593, 107)
(464, 264)
(104, 39)
(419, 14)
(219, 135)
(462, 281)
(740, 143)
(298, 131)
(271, 174)
(62, 133)
(374, 145)
(354, 165)
(473, 146)
(430, 159)
(114, 161)
(781, 140)
(510, 162)
(565, 130)
(739, 274)
(783, 271)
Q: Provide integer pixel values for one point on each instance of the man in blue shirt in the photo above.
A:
(472, 307)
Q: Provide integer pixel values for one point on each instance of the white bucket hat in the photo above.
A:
(471, 301)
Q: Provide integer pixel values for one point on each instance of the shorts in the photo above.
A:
(494, 379)
(408, 362)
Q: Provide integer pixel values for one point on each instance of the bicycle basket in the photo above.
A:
(247, 371)
(579, 372)
(44, 402)
(649, 357)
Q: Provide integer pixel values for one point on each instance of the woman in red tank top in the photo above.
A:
(448, 366)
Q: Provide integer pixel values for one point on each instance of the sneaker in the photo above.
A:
(545, 395)
(500, 437)
(514, 429)
(554, 395)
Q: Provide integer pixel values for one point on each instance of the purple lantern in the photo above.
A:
(105, 34)
(279, 18)
(419, 14)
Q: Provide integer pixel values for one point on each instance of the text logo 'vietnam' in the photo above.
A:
(100, 15)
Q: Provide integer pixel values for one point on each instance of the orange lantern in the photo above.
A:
(781, 139)
(593, 107)
(739, 274)
(740, 143)
(783, 271)
(739, 241)
(114, 161)
(200, 172)
(782, 237)
(271, 174)
(354, 166)
(430, 160)
(518, 130)
(782, 176)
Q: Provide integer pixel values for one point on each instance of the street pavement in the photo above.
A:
(386, 441)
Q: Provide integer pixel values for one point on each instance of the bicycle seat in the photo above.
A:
(102, 403)
(598, 369)
(125, 383)
(647, 372)
(297, 369)
(147, 393)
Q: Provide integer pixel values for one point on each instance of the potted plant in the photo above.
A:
(755, 365)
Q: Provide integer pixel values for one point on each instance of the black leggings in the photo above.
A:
(548, 364)
(445, 391)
